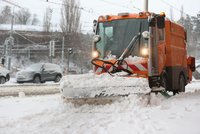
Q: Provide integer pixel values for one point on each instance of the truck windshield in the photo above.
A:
(117, 34)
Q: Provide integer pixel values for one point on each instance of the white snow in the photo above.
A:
(134, 59)
(129, 115)
(89, 85)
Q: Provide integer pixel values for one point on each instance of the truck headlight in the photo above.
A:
(144, 52)
(95, 54)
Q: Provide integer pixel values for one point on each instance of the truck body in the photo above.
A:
(143, 45)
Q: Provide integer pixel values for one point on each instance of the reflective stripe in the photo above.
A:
(110, 69)
(140, 67)
(125, 67)
(99, 70)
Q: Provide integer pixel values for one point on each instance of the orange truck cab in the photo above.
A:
(143, 45)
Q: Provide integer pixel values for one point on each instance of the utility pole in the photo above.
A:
(69, 52)
(63, 47)
(51, 49)
(146, 4)
(11, 42)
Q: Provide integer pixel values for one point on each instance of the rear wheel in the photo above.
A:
(2, 80)
(181, 83)
(57, 79)
(164, 82)
(36, 79)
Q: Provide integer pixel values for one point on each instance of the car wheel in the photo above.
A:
(2, 80)
(36, 79)
(7, 77)
(57, 79)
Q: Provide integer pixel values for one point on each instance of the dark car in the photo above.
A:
(196, 73)
(39, 73)
(4, 75)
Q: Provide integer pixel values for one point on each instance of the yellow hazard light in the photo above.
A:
(141, 14)
(162, 14)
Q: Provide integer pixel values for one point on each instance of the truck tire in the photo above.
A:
(181, 83)
(164, 82)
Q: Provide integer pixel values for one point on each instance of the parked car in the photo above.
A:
(4, 75)
(40, 73)
(196, 73)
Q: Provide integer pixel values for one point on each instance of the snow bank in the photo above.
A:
(89, 85)
(48, 114)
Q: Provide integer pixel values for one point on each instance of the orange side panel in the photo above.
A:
(161, 57)
(175, 45)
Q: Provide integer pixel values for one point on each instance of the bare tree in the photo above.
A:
(5, 15)
(70, 16)
(47, 19)
(23, 16)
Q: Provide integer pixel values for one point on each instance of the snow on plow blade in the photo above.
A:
(90, 88)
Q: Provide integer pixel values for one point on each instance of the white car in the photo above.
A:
(39, 73)
(4, 75)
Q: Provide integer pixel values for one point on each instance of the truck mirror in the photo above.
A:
(96, 38)
(160, 22)
(94, 25)
(152, 22)
(146, 35)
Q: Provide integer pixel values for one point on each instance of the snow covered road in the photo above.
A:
(29, 89)
(49, 115)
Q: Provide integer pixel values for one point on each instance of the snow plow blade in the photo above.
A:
(100, 89)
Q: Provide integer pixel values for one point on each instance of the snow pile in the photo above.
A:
(135, 59)
(48, 114)
(133, 114)
(89, 85)
(21, 94)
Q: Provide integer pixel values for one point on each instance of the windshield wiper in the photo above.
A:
(130, 47)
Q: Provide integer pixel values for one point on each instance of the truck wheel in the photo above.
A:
(36, 79)
(181, 83)
(164, 82)
(2, 80)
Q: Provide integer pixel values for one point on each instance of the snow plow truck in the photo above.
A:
(132, 48)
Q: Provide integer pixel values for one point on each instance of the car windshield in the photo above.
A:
(35, 66)
(117, 34)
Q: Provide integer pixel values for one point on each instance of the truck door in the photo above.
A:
(153, 55)
(156, 49)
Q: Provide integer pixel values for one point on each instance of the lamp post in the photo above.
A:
(69, 52)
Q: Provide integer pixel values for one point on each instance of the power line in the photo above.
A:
(64, 4)
(175, 8)
(12, 3)
(118, 5)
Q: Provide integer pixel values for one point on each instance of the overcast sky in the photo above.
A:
(93, 8)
